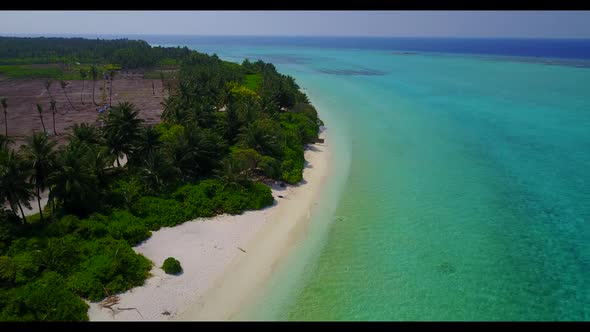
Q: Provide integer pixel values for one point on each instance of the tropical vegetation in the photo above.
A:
(226, 129)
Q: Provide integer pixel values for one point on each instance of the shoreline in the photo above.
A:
(226, 259)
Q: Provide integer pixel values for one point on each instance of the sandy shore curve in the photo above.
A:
(226, 259)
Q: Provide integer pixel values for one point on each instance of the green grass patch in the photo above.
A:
(28, 71)
(253, 81)
(156, 74)
(51, 71)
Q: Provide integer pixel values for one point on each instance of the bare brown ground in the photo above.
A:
(24, 94)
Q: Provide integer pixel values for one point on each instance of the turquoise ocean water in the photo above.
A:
(460, 188)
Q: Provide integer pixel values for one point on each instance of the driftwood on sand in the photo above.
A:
(111, 300)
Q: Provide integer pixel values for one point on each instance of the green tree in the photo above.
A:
(73, 182)
(264, 136)
(14, 184)
(64, 85)
(148, 141)
(196, 152)
(94, 75)
(4, 102)
(112, 74)
(85, 133)
(40, 111)
(121, 130)
(47, 85)
(53, 110)
(40, 155)
(83, 75)
(45, 299)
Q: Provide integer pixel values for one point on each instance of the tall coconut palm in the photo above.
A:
(5, 142)
(86, 134)
(40, 111)
(146, 144)
(231, 173)
(4, 102)
(121, 129)
(101, 162)
(40, 156)
(94, 76)
(83, 75)
(14, 185)
(53, 110)
(73, 182)
(47, 85)
(63, 85)
(112, 74)
(155, 171)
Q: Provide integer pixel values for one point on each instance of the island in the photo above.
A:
(110, 144)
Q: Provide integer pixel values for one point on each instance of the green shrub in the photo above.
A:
(198, 199)
(125, 193)
(65, 225)
(95, 226)
(172, 266)
(113, 267)
(211, 197)
(7, 270)
(159, 212)
(124, 225)
(270, 167)
(60, 254)
(46, 299)
(10, 229)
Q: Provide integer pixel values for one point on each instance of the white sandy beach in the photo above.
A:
(219, 278)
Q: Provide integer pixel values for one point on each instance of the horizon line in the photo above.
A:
(57, 34)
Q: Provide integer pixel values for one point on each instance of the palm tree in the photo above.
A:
(111, 77)
(53, 110)
(83, 75)
(40, 155)
(47, 86)
(101, 162)
(64, 84)
(94, 76)
(5, 141)
(147, 143)
(155, 171)
(4, 103)
(86, 134)
(122, 129)
(231, 173)
(14, 185)
(40, 110)
(73, 182)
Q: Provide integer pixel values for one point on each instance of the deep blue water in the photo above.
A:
(545, 48)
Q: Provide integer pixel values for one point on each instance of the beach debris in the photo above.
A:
(120, 309)
(281, 196)
(109, 302)
(241, 249)
(166, 313)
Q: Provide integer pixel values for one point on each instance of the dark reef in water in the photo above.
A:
(351, 72)
(277, 58)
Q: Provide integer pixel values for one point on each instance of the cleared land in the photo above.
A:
(24, 94)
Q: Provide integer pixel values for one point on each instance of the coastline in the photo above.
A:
(226, 259)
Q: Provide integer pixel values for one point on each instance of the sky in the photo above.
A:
(513, 24)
